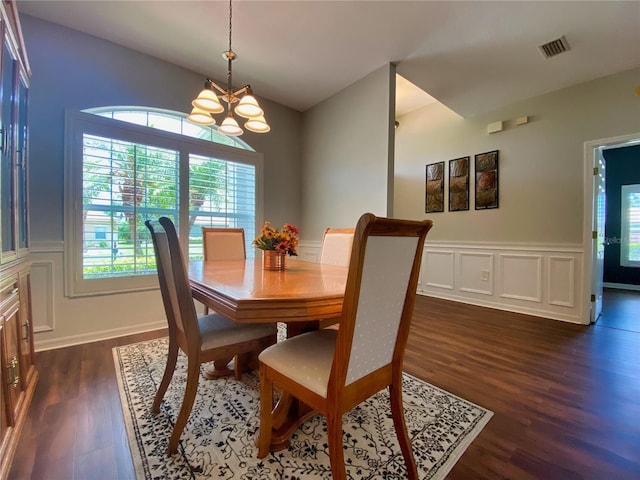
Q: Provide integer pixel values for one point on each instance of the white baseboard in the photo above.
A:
(507, 308)
(43, 345)
(622, 286)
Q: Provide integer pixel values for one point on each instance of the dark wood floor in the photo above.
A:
(566, 398)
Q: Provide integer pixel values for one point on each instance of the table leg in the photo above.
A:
(217, 369)
(296, 328)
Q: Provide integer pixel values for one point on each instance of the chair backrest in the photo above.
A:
(336, 246)
(223, 243)
(173, 279)
(379, 298)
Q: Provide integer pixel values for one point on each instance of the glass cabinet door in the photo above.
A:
(21, 164)
(7, 171)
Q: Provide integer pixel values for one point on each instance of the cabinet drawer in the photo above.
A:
(9, 298)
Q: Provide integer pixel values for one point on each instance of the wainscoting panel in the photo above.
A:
(309, 251)
(521, 277)
(561, 281)
(544, 281)
(476, 272)
(60, 321)
(442, 264)
(540, 280)
(42, 295)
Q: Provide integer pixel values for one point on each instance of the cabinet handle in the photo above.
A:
(27, 331)
(4, 137)
(14, 372)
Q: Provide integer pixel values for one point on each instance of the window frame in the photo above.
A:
(625, 226)
(77, 124)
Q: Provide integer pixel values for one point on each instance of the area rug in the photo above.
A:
(219, 439)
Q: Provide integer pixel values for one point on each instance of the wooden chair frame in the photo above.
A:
(341, 398)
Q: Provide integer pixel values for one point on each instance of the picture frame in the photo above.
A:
(486, 180)
(434, 188)
(459, 184)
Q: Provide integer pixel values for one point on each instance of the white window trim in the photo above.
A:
(625, 233)
(79, 123)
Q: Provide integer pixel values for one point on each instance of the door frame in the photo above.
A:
(592, 154)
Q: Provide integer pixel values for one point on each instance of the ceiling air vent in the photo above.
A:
(554, 47)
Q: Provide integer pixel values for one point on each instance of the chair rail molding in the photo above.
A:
(47, 247)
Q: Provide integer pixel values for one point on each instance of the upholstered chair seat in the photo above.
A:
(217, 331)
(313, 373)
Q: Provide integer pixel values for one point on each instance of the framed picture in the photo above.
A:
(459, 184)
(486, 169)
(434, 199)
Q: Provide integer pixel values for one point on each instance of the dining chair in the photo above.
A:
(223, 244)
(336, 246)
(208, 338)
(332, 371)
(336, 250)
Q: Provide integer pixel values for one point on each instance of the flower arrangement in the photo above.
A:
(282, 241)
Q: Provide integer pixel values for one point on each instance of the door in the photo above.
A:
(599, 220)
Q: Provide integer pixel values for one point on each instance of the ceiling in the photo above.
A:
(471, 56)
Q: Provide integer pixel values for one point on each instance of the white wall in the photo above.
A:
(540, 217)
(347, 155)
(75, 71)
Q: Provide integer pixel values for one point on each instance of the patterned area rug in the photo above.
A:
(218, 441)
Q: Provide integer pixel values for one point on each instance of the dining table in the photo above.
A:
(304, 296)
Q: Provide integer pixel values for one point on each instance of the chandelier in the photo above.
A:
(208, 103)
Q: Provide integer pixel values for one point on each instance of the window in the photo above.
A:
(169, 122)
(630, 226)
(121, 174)
(100, 232)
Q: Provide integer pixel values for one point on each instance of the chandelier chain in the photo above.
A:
(230, 56)
(230, 12)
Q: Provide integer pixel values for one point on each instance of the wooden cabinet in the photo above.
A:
(18, 372)
(18, 375)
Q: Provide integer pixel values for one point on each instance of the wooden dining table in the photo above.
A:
(305, 296)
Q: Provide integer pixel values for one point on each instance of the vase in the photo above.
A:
(272, 260)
